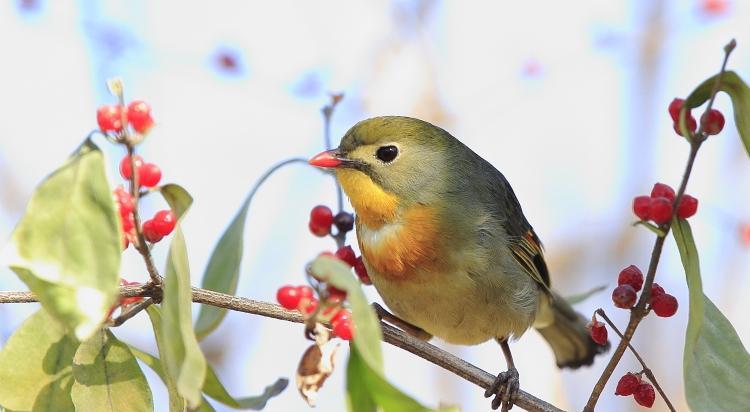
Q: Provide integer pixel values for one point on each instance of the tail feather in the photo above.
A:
(566, 333)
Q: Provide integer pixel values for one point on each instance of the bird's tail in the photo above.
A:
(565, 331)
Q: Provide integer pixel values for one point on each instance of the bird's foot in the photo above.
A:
(504, 388)
(405, 326)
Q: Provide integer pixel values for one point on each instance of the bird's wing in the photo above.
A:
(523, 242)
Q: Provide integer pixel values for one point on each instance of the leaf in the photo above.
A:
(178, 198)
(369, 391)
(108, 378)
(580, 297)
(214, 388)
(181, 354)
(738, 91)
(367, 334)
(716, 365)
(67, 246)
(223, 271)
(37, 359)
(176, 403)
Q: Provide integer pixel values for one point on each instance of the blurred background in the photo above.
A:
(568, 99)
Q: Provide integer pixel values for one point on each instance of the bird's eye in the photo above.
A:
(387, 153)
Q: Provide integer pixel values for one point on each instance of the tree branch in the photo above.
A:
(391, 335)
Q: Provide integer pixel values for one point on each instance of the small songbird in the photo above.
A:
(447, 246)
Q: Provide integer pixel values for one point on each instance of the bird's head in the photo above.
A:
(385, 162)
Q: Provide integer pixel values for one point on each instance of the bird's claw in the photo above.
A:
(504, 388)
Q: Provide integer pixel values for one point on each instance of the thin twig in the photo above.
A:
(140, 245)
(132, 311)
(391, 335)
(640, 310)
(646, 369)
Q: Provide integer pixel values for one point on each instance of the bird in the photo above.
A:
(447, 246)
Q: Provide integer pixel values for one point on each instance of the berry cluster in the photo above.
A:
(633, 384)
(302, 299)
(321, 222)
(712, 122)
(114, 118)
(630, 281)
(658, 206)
(149, 175)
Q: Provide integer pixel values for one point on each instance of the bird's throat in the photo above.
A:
(374, 206)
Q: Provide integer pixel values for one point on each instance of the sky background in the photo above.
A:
(567, 99)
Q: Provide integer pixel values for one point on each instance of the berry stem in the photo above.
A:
(641, 309)
(134, 310)
(141, 246)
(646, 369)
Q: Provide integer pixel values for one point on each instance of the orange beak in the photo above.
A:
(327, 159)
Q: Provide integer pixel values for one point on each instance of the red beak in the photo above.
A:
(326, 159)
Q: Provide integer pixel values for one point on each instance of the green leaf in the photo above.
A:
(738, 91)
(108, 378)
(716, 365)
(182, 355)
(213, 388)
(178, 198)
(67, 246)
(37, 359)
(578, 298)
(368, 391)
(223, 271)
(176, 403)
(367, 335)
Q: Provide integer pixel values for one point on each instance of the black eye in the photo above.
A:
(387, 153)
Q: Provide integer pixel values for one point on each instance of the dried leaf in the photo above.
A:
(316, 365)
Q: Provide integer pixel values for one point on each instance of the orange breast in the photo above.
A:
(397, 250)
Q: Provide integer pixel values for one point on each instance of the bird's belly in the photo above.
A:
(456, 308)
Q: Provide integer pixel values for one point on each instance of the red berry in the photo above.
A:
(343, 329)
(139, 116)
(346, 254)
(656, 290)
(689, 122)
(661, 210)
(306, 292)
(288, 297)
(663, 190)
(598, 332)
(308, 306)
(687, 207)
(336, 294)
(745, 234)
(664, 305)
(164, 222)
(644, 394)
(632, 276)
(125, 202)
(642, 207)
(125, 241)
(321, 219)
(624, 296)
(109, 118)
(128, 223)
(361, 271)
(150, 232)
(126, 171)
(674, 108)
(340, 316)
(628, 384)
(712, 122)
(149, 175)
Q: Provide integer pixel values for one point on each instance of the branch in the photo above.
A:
(639, 311)
(646, 369)
(391, 335)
